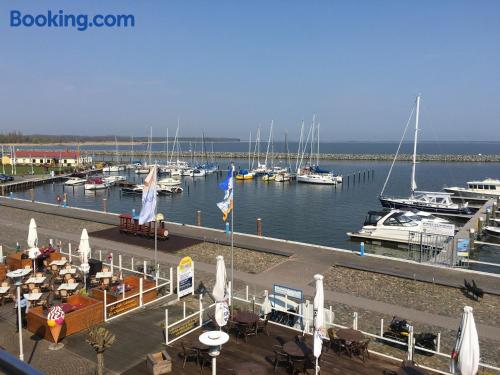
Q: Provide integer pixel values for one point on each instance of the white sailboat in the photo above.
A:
(430, 201)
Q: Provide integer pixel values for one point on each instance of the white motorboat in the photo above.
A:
(142, 170)
(282, 177)
(492, 231)
(187, 172)
(164, 189)
(437, 202)
(96, 183)
(397, 225)
(111, 180)
(169, 181)
(487, 188)
(199, 172)
(74, 181)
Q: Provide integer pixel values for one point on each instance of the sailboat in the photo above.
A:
(246, 174)
(144, 168)
(430, 201)
(117, 167)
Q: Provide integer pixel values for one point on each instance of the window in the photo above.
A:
(33, 160)
(41, 161)
(65, 161)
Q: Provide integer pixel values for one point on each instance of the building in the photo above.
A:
(59, 158)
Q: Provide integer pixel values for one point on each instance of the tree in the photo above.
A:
(100, 339)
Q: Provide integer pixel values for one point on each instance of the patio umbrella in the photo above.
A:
(465, 355)
(219, 293)
(266, 305)
(319, 315)
(84, 250)
(33, 251)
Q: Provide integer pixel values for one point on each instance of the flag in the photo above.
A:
(148, 210)
(227, 185)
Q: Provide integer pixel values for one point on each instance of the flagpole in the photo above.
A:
(156, 232)
(232, 242)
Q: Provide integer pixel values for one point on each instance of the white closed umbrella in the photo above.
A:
(84, 250)
(319, 318)
(33, 251)
(266, 305)
(465, 355)
(219, 293)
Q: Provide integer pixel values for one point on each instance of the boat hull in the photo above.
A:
(396, 204)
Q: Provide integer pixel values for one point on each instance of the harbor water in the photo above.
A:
(319, 214)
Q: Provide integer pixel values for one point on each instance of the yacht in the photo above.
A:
(144, 169)
(199, 172)
(111, 180)
(164, 189)
(244, 174)
(282, 177)
(493, 231)
(437, 202)
(187, 172)
(113, 168)
(269, 177)
(398, 225)
(131, 189)
(74, 181)
(487, 188)
(317, 178)
(96, 183)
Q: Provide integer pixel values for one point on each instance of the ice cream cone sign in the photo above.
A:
(55, 321)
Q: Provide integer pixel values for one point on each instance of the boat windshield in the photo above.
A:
(400, 219)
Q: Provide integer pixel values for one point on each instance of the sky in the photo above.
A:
(227, 67)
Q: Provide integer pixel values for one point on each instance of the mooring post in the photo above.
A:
(259, 226)
(198, 218)
(488, 214)
(32, 195)
(494, 210)
(472, 238)
(105, 204)
(480, 225)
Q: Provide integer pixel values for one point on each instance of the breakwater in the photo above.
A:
(126, 156)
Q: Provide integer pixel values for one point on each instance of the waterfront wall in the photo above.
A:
(461, 158)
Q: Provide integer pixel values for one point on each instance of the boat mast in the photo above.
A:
(150, 144)
(269, 141)
(132, 151)
(312, 140)
(249, 149)
(175, 140)
(299, 149)
(413, 181)
(317, 155)
(258, 146)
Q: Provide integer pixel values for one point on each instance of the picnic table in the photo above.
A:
(246, 317)
(350, 335)
(297, 350)
(33, 296)
(66, 286)
(35, 280)
(65, 271)
(104, 275)
(59, 262)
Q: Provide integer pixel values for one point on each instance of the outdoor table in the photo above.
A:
(214, 339)
(350, 335)
(249, 368)
(60, 262)
(4, 289)
(246, 317)
(33, 296)
(64, 271)
(298, 350)
(104, 275)
(35, 280)
(66, 286)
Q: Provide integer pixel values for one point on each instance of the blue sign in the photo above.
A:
(463, 247)
(289, 292)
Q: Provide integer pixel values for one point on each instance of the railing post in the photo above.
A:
(230, 285)
(171, 281)
(286, 301)
(69, 252)
(132, 263)
(140, 292)
(438, 345)
(105, 302)
(382, 327)
(306, 316)
(166, 326)
(330, 316)
(145, 268)
(100, 255)
(246, 293)
(184, 310)
(157, 275)
(410, 344)
(120, 265)
(112, 263)
(355, 320)
(201, 309)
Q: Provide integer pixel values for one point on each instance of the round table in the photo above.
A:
(250, 368)
(214, 340)
(246, 317)
(294, 349)
(350, 335)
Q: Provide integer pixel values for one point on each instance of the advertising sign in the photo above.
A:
(443, 229)
(463, 247)
(287, 291)
(185, 277)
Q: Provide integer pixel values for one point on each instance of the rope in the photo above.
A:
(397, 151)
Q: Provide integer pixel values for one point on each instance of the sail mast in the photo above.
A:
(317, 155)
(413, 181)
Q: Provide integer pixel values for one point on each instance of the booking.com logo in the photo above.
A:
(81, 22)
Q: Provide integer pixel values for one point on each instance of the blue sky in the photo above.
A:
(227, 66)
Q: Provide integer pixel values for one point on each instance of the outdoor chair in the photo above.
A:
(298, 366)
(64, 295)
(105, 283)
(205, 359)
(67, 276)
(31, 286)
(336, 344)
(35, 290)
(5, 284)
(188, 354)
(244, 330)
(39, 274)
(281, 359)
(359, 349)
(67, 266)
(105, 269)
(261, 326)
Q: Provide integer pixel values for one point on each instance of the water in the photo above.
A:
(300, 212)
(327, 147)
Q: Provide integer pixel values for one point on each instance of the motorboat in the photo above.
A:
(96, 183)
(244, 174)
(487, 188)
(187, 172)
(398, 225)
(260, 170)
(142, 170)
(113, 168)
(131, 189)
(268, 177)
(492, 231)
(74, 181)
(164, 189)
(169, 181)
(437, 202)
(111, 180)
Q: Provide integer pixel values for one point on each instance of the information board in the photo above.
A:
(463, 247)
(185, 277)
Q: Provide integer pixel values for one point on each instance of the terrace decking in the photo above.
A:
(259, 349)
